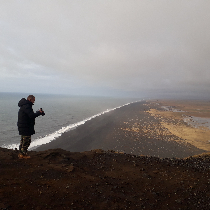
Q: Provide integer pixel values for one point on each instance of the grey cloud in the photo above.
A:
(121, 45)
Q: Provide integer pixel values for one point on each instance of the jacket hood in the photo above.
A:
(23, 101)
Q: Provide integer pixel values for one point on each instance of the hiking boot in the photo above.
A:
(22, 156)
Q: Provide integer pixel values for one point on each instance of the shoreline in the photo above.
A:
(129, 129)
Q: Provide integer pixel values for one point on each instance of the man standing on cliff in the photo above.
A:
(26, 122)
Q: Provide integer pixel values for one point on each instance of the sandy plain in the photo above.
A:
(188, 120)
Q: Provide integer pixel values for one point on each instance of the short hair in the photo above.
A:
(30, 97)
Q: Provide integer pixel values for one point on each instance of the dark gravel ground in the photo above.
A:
(59, 179)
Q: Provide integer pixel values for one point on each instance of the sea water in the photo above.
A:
(63, 113)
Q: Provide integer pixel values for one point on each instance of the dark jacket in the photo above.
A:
(26, 118)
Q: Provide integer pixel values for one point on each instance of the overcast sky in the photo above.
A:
(104, 47)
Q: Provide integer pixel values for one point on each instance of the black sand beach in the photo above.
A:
(129, 129)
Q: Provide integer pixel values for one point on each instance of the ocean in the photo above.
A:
(63, 113)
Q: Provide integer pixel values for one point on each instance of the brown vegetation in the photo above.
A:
(174, 122)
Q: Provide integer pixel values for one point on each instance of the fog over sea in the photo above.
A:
(63, 113)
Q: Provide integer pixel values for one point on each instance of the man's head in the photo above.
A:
(31, 98)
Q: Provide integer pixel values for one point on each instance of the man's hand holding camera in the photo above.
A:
(42, 112)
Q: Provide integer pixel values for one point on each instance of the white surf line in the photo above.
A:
(51, 137)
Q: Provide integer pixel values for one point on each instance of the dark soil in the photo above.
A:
(59, 179)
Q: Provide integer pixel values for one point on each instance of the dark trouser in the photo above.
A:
(24, 144)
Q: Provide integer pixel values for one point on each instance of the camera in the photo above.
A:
(42, 112)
